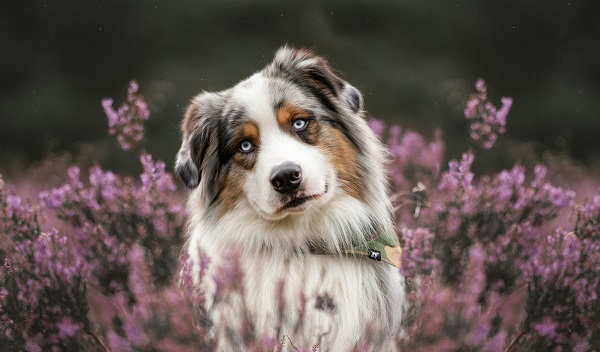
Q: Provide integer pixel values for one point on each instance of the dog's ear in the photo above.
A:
(318, 76)
(353, 98)
(197, 157)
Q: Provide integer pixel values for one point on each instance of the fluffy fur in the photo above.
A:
(297, 112)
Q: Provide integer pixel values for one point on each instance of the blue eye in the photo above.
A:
(246, 147)
(299, 124)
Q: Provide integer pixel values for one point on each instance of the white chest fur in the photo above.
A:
(304, 299)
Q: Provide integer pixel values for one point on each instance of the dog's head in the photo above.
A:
(289, 138)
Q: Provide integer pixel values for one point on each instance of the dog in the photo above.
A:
(285, 172)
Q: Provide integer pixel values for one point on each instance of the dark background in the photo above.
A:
(415, 61)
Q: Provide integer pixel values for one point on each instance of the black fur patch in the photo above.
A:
(188, 174)
(353, 97)
(226, 129)
(199, 159)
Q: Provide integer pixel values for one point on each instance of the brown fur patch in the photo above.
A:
(249, 130)
(233, 187)
(286, 113)
(343, 156)
(232, 190)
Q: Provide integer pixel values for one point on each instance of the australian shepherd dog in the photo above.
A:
(286, 173)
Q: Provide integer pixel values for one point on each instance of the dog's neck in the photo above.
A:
(346, 227)
(378, 246)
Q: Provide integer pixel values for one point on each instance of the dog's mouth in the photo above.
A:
(296, 202)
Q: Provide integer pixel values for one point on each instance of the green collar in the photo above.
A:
(379, 248)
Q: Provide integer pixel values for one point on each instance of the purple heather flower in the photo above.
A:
(68, 328)
(581, 346)
(496, 343)
(377, 126)
(118, 343)
(414, 169)
(459, 175)
(547, 327)
(229, 274)
(487, 122)
(55, 198)
(559, 197)
(33, 346)
(134, 333)
(479, 333)
(154, 175)
(417, 256)
(127, 122)
(14, 203)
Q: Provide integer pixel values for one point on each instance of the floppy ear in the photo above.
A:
(186, 165)
(197, 157)
(317, 75)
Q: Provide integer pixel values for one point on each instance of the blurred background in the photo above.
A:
(416, 63)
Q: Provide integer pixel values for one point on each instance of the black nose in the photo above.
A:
(286, 177)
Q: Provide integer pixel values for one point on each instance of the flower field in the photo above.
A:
(500, 261)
